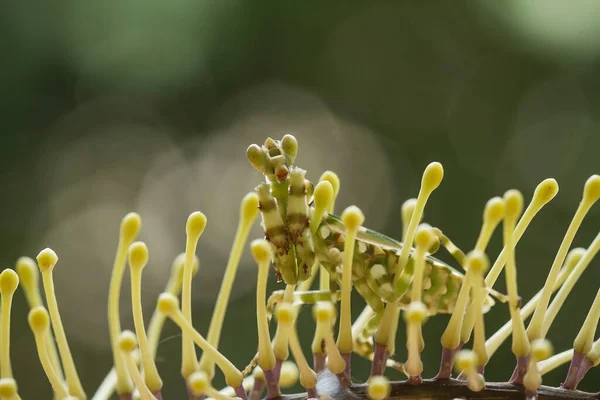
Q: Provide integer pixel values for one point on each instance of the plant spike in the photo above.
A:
(127, 345)
(353, 218)
(308, 377)
(248, 213)
(261, 251)
(47, 259)
(130, 227)
(591, 194)
(39, 322)
(494, 342)
(541, 349)
(194, 228)
(169, 305)
(138, 259)
(582, 345)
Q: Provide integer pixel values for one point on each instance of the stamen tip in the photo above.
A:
(261, 250)
(323, 194)
(249, 208)
(47, 259)
(494, 210)
(195, 225)
(130, 227)
(333, 179)
(138, 255)
(591, 190)
(546, 190)
(513, 204)
(289, 374)
(39, 320)
(167, 303)
(353, 217)
(9, 281)
(432, 177)
(425, 236)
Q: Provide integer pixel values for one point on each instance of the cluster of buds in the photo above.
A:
(135, 374)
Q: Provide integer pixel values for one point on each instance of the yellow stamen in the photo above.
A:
(554, 362)
(353, 218)
(29, 281)
(280, 341)
(424, 239)
(591, 193)
(323, 199)
(286, 318)
(324, 313)
(174, 287)
(492, 215)
(194, 228)
(334, 180)
(585, 338)
(8, 389)
(127, 345)
(414, 315)
(138, 258)
(130, 227)
(494, 342)
(199, 384)
(466, 360)
(39, 321)
(169, 305)
(289, 374)
(566, 288)
(378, 388)
(544, 192)
(478, 269)
(408, 208)
(514, 205)
(248, 213)
(451, 337)
(9, 281)
(432, 177)
(46, 261)
(261, 251)
(541, 349)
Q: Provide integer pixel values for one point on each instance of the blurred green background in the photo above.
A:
(148, 106)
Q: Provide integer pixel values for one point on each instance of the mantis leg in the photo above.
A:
(454, 251)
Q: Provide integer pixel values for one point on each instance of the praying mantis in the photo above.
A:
(307, 237)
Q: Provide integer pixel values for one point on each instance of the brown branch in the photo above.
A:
(449, 390)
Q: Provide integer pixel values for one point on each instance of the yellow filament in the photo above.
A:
(432, 177)
(566, 288)
(544, 192)
(492, 215)
(424, 238)
(554, 362)
(408, 208)
(199, 384)
(169, 305)
(323, 199)
(323, 313)
(591, 193)
(138, 258)
(46, 261)
(451, 336)
(29, 281)
(286, 318)
(378, 388)
(514, 205)
(353, 218)
(479, 268)
(280, 341)
(39, 321)
(248, 213)
(130, 227)
(261, 251)
(585, 337)
(541, 349)
(9, 281)
(127, 344)
(494, 342)
(174, 287)
(194, 228)
(414, 315)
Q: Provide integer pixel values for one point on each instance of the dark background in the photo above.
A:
(109, 107)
